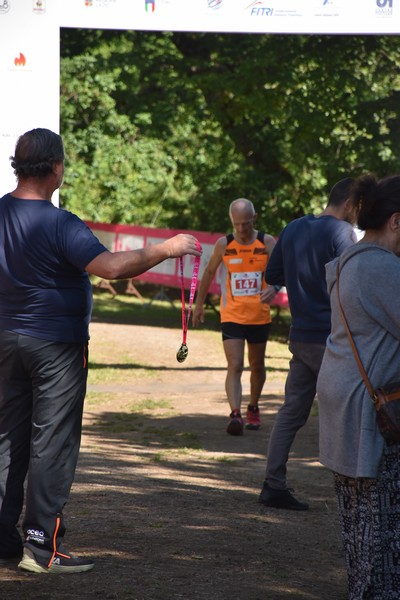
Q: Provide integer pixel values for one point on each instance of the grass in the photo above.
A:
(224, 459)
(172, 439)
(127, 309)
(150, 405)
(135, 421)
(122, 373)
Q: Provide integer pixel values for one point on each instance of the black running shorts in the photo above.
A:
(253, 334)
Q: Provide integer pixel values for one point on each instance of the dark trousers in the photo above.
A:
(42, 390)
(300, 389)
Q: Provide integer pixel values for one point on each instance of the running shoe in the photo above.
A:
(253, 417)
(235, 425)
(38, 560)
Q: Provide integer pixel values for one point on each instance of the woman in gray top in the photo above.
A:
(366, 469)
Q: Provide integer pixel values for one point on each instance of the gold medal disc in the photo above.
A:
(182, 353)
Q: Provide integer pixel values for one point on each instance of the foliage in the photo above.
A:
(167, 129)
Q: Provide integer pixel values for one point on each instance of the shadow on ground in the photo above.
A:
(167, 505)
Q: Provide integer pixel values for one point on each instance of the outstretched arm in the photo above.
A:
(123, 265)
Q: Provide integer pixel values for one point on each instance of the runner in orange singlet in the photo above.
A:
(244, 308)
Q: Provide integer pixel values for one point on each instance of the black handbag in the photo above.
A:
(386, 398)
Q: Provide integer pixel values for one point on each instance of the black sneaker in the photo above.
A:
(37, 560)
(10, 543)
(235, 425)
(280, 499)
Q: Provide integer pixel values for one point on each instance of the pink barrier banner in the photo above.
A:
(132, 237)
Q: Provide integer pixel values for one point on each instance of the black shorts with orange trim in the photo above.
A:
(253, 334)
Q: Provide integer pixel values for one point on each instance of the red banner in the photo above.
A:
(132, 237)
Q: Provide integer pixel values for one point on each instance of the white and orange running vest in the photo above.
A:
(242, 281)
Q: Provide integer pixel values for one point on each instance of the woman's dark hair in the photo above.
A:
(36, 151)
(375, 200)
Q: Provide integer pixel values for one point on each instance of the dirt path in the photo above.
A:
(166, 502)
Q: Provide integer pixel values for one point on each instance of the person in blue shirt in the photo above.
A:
(298, 262)
(46, 254)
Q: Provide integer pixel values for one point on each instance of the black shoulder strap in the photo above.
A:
(260, 237)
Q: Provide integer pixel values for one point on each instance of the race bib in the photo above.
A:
(246, 284)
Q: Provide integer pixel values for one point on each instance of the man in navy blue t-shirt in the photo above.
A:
(298, 262)
(46, 254)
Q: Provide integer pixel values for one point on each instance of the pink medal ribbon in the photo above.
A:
(183, 351)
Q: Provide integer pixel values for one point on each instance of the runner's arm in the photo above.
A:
(268, 293)
(275, 272)
(269, 243)
(206, 280)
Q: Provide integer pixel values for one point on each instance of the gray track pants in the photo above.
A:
(42, 389)
(300, 389)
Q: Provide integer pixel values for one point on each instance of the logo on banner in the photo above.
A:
(150, 5)
(327, 8)
(384, 8)
(259, 9)
(20, 61)
(214, 4)
(4, 6)
(39, 6)
(100, 3)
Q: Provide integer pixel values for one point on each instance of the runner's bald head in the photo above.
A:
(242, 205)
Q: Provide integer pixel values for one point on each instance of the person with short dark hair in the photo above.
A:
(46, 254)
(244, 308)
(366, 469)
(298, 262)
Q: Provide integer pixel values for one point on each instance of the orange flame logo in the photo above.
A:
(20, 61)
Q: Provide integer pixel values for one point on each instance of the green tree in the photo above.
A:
(167, 128)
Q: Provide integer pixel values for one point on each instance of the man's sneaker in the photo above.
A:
(253, 417)
(280, 499)
(38, 560)
(235, 425)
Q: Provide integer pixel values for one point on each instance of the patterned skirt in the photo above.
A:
(370, 514)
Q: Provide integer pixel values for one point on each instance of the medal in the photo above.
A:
(183, 351)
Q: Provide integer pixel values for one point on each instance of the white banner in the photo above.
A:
(29, 76)
(241, 16)
(30, 30)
